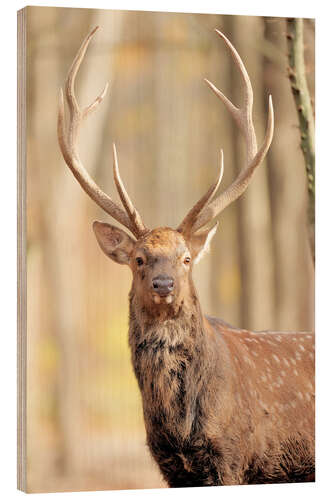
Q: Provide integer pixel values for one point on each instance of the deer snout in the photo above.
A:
(163, 285)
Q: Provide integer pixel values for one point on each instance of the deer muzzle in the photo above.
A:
(163, 285)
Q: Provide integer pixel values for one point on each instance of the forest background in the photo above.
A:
(84, 417)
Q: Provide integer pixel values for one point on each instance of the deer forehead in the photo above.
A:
(163, 241)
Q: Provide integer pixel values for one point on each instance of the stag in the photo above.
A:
(221, 405)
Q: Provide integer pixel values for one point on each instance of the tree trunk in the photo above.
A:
(293, 268)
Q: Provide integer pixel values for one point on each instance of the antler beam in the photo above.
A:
(187, 224)
(68, 145)
(244, 121)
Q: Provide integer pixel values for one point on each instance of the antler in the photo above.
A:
(67, 141)
(188, 222)
(243, 119)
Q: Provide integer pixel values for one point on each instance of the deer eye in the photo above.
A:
(187, 260)
(139, 261)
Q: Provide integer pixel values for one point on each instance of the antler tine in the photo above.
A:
(243, 119)
(70, 82)
(234, 111)
(237, 188)
(244, 74)
(126, 200)
(71, 77)
(191, 217)
(68, 146)
(89, 109)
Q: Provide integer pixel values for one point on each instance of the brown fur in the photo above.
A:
(221, 405)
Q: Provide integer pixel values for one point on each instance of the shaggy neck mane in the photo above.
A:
(169, 352)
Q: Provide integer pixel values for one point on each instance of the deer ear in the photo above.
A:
(114, 242)
(200, 242)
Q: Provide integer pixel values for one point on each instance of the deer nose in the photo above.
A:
(163, 285)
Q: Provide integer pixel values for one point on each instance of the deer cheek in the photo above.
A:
(141, 274)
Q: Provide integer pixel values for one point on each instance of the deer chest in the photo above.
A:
(185, 462)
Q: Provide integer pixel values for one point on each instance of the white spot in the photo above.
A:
(300, 395)
(286, 362)
(293, 361)
(248, 360)
(309, 336)
(302, 348)
(295, 372)
(283, 373)
(310, 386)
(276, 358)
(255, 353)
(169, 299)
(157, 299)
(262, 404)
(279, 338)
(311, 355)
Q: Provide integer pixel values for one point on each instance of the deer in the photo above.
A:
(221, 405)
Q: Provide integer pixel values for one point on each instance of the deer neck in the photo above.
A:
(172, 362)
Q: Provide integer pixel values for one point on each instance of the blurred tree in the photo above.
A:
(293, 269)
(255, 239)
(300, 91)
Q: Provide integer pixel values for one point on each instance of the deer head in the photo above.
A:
(161, 259)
